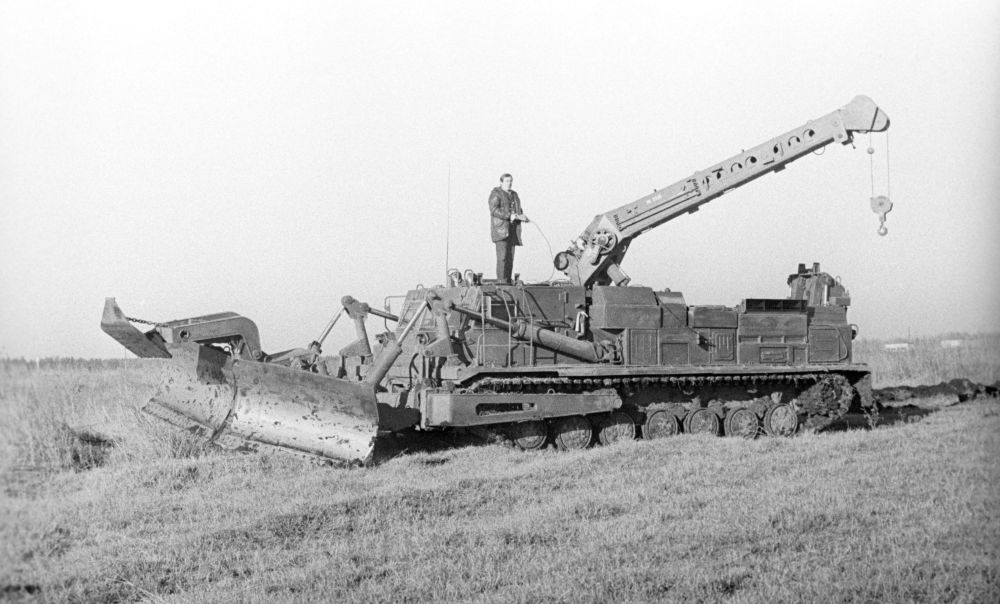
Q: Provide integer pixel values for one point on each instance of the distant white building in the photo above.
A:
(897, 347)
(951, 343)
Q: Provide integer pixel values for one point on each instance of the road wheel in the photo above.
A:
(529, 435)
(702, 421)
(742, 423)
(614, 428)
(573, 432)
(781, 420)
(660, 424)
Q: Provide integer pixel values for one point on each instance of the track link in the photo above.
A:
(782, 403)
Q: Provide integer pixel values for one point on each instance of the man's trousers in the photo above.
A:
(505, 259)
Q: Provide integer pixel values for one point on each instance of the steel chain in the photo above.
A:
(144, 322)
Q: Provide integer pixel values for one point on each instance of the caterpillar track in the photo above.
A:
(653, 407)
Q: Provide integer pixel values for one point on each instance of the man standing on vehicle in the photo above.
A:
(505, 225)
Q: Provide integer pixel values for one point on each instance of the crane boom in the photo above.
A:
(598, 252)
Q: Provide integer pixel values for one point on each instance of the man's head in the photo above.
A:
(506, 180)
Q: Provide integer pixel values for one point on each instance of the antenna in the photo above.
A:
(447, 228)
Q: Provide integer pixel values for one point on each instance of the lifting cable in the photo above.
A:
(547, 245)
(871, 164)
(880, 204)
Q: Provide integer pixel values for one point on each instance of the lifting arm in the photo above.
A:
(597, 253)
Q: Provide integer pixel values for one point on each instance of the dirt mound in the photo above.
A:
(963, 389)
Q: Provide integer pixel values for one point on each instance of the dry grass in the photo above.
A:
(45, 411)
(909, 512)
(926, 361)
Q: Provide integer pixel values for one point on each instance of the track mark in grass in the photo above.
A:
(185, 478)
(53, 544)
(730, 583)
(469, 498)
(765, 547)
(800, 522)
(291, 528)
(282, 588)
(56, 542)
(522, 538)
(287, 531)
(14, 590)
(177, 478)
(81, 449)
(364, 571)
(24, 482)
(432, 461)
(133, 580)
(597, 510)
(507, 537)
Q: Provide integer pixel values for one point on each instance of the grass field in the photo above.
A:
(926, 361)
(906, 512)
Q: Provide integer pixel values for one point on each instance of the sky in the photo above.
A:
(269, 158)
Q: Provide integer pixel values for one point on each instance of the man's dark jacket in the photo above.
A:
(502, 205)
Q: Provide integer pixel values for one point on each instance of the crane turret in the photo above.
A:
(596, 255)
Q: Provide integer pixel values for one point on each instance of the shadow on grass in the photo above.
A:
(410, 442)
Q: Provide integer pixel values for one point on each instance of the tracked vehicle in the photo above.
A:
(582, 359)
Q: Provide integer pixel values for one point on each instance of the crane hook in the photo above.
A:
(881, 206)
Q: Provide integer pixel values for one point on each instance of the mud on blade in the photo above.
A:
(304, 411)
(246, 403)
(242, 403)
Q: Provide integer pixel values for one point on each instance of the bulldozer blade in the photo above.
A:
(197, 390)
(115, 324)
(261, 406)
(304, 412)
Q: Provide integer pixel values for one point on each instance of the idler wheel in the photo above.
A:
(742, 423)
(529, 435)
(573, 432)
(781, 420)
(702, 421)
(660, 424)
(614, 428)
